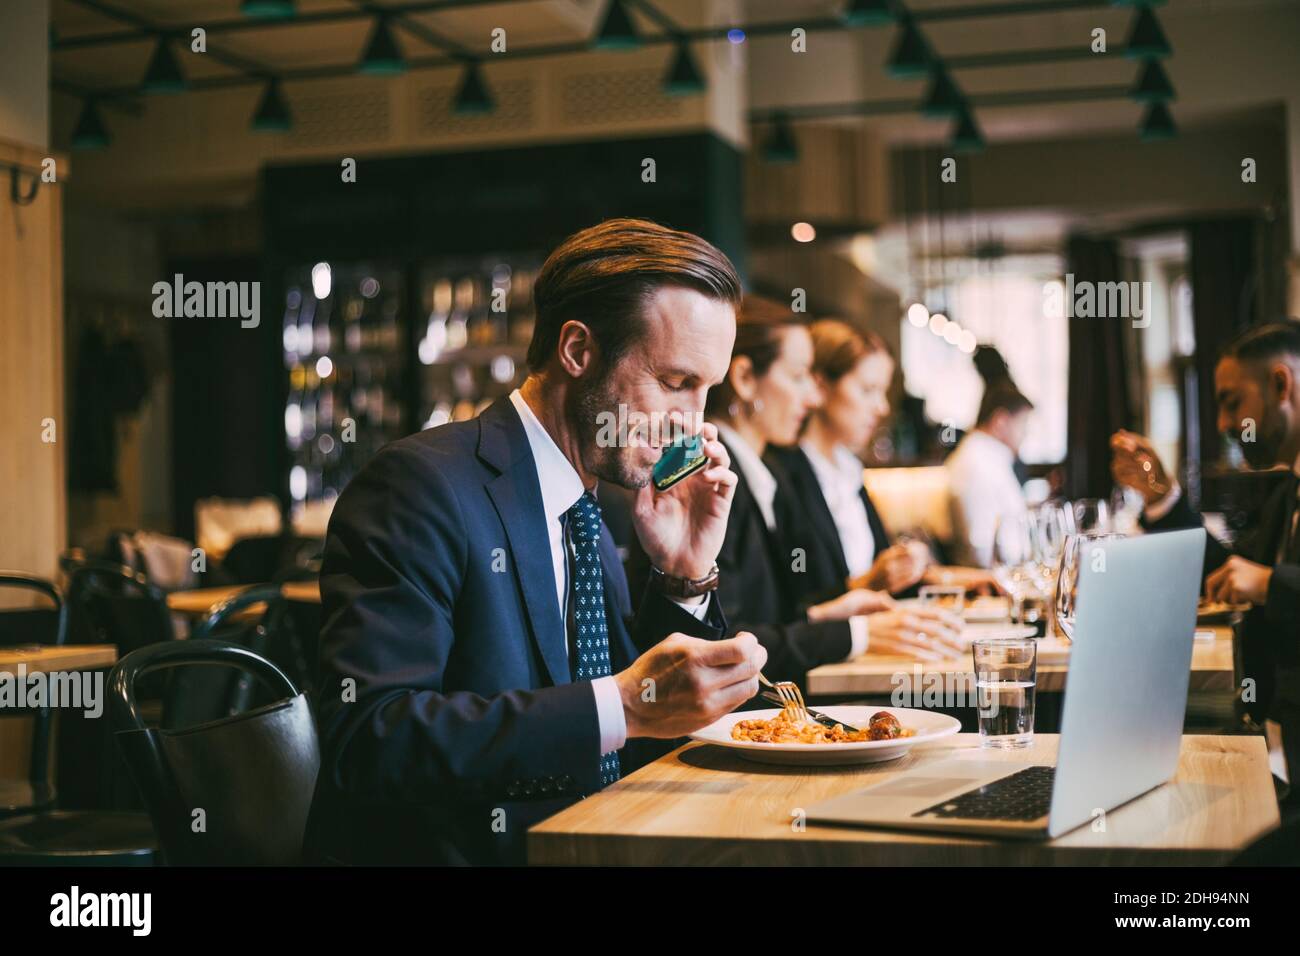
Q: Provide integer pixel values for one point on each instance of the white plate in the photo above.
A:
(927, 724)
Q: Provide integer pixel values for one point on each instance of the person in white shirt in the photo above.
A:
(982, 479)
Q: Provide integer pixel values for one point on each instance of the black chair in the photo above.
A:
(252, 775)
(113, 604)
(32, 626)
(31, 833)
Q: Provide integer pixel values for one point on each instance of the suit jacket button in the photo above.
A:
(530, 788)
(548, 784)
(512, 790)
(566, 782)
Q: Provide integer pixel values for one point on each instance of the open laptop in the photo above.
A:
(1121, 722)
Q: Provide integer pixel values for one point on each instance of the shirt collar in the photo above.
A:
(561, 486)
(843, 467)
(989, 445)
(757, 475)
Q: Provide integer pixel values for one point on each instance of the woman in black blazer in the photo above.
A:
(829, 513)
(768, 392)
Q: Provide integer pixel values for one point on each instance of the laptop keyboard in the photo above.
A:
(1025, 795)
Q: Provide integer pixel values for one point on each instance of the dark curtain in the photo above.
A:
(1223, 302)
(1099, 400)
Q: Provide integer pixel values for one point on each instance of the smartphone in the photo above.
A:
(681, 459)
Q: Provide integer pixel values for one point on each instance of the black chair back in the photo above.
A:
(234, 791)
(32, 625)
(112, 604)
(20, 626)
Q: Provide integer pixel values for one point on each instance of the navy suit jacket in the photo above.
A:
(449, 720)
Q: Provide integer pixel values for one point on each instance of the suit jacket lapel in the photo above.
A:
(517, 497)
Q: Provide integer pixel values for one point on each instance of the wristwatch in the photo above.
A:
(670, 586)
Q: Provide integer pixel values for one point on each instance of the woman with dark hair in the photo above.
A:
(768, 392)
(835, 522)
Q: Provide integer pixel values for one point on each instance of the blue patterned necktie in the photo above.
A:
(591, 636)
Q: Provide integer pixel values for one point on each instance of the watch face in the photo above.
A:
(680, 460)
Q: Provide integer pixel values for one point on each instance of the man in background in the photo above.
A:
(982, 481)
(1257, 385)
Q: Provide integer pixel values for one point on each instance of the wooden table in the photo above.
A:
(47, 659)
(16, 734)
(882, 673)
(703, 805)
(200, 602)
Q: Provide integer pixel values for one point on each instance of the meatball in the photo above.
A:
(884, 726)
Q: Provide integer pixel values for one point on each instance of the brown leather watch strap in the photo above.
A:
(670, 586)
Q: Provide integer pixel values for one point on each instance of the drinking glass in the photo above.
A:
(1006, 676)
(1015, 565)
(1078, 549)
(1091, 516)
(949, 598)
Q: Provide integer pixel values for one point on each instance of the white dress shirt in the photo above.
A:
(762, 484)
(561, 489)
(983, 488)
(840, 479)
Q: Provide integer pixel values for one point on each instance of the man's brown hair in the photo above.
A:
(1001, 397)
(603, 275)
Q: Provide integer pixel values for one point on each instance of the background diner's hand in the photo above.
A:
(849, 604)
(926, 633)
(1238, 581)
(1135, 465)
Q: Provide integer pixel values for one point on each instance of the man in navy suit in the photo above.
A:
(480, 665)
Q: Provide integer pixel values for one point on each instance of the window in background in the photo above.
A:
(1006, 310)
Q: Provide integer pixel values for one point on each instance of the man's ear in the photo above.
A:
(576, 349)
(1282, 380)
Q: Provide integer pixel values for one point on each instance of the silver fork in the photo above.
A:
(788, 691)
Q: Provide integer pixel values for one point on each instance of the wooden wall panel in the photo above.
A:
(33, 495)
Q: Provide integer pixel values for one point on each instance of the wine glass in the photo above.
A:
(1091, 516)
(1078, 548)
(1051, 526)
(1015, 564)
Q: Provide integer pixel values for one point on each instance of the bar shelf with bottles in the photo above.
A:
(346, 357)
(472, 347)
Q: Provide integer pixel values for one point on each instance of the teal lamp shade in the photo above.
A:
(473, 98)
(272, 114)
(1146, 40)
(942, 99)
(967, 137)
(868, 13)
(382, 57)
(910, 58)
(90, 132)
(684, 77)
(1152, 84)
(1157, 124)
(267, 9)
(617, 31)
(163, 75)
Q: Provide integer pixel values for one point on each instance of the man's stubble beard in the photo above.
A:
(592, 399)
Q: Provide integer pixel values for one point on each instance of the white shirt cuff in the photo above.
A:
(696, 606)
(1162, 507)
(609, 714)
(858, 633)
